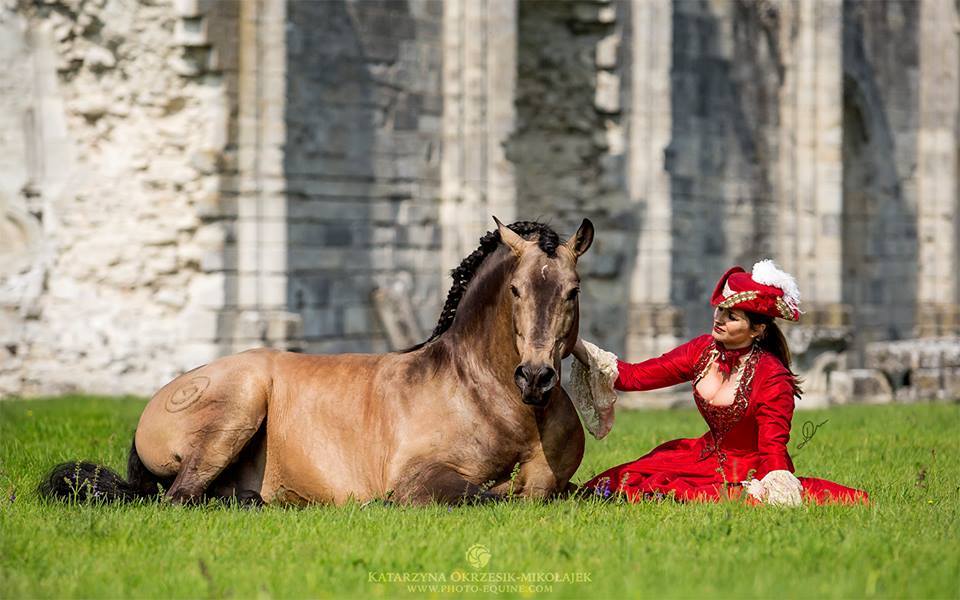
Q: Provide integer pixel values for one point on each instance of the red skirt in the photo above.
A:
(679, 469)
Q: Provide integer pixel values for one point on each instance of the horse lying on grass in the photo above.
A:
(448, 420)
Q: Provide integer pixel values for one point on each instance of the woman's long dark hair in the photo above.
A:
(774, 342)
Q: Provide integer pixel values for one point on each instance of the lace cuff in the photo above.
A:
(780, 488)
(592, 389)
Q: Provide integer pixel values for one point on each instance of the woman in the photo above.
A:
(743, 388)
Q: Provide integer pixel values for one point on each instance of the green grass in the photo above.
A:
(904, 545)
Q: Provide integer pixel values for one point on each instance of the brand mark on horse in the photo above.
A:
(187, 394)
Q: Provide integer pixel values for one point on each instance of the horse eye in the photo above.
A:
(514, 291)
(573, 294)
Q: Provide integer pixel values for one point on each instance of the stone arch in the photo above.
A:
(879, 250)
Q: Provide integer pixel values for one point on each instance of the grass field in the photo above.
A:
(906, 544)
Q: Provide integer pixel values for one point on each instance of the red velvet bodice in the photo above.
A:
(750, 434)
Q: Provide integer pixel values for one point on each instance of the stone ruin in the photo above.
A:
(182, 179)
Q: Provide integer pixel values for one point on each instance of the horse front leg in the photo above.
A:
(547, 472)
(537, 480)
(552, 462)
(436, 482)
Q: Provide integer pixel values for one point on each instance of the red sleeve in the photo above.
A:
(775, 400)
(671, 368)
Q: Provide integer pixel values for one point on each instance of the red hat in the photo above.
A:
(767, 290)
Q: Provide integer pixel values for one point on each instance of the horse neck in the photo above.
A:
(482, 331)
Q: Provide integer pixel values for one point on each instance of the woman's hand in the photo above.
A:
(580, 352)
(592, 386)
(780, 487)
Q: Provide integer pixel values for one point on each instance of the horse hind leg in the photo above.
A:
(242, 481)
(195, 426)
(215, 447)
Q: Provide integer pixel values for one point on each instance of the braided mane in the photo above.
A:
(547, 240)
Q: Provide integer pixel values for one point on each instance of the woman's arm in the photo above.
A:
(774, 481)
(580, 352)
(671, 368)
(774, 415)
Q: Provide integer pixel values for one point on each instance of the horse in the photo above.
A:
(475, 411)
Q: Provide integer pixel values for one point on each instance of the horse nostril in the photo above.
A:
(540, 378)
(521, 376)
(547, 378)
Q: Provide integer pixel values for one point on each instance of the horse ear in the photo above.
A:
(509, 237)
(581, 240)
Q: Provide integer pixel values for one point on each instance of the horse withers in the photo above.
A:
(474, 411)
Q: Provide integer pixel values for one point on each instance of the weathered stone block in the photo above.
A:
(284, 328)
(346, 291)
(200, 324)
(951, 384)
(194, 354)
(207, 290)
(309, 290)
(926, 384)
(190, 8)
(607, 50)
(359, 320)
(321, 322)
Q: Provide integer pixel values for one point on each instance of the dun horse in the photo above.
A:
(476, 410)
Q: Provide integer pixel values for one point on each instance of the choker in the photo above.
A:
(727, 358)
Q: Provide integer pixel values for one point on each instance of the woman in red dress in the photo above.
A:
(743, 388)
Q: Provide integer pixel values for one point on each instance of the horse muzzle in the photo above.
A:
(535, 381)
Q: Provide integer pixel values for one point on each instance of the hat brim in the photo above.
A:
(717, 296)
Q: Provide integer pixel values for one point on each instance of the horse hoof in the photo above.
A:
(249, 499)
(183, 499)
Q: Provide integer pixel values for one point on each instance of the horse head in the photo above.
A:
(545, 289)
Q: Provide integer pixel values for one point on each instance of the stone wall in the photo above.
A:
(880, 102)
(185, 179)
(110, 145)
(192, 179)
(938, 171)
(479, 116)
(568, 147)
(723, 151)
(918, 370)
(362, 165)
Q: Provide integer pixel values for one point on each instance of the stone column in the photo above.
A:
(938, 297)
(261, 317)
(810, 183)
(479, 82)
(654, 325)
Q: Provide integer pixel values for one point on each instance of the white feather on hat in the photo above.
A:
(766, 272)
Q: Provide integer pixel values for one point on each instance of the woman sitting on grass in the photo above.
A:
(743, 387)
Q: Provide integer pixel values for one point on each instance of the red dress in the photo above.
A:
(746, 439)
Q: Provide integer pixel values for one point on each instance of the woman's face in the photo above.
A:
(732, 328)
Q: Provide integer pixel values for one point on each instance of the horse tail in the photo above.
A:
(81, 481)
